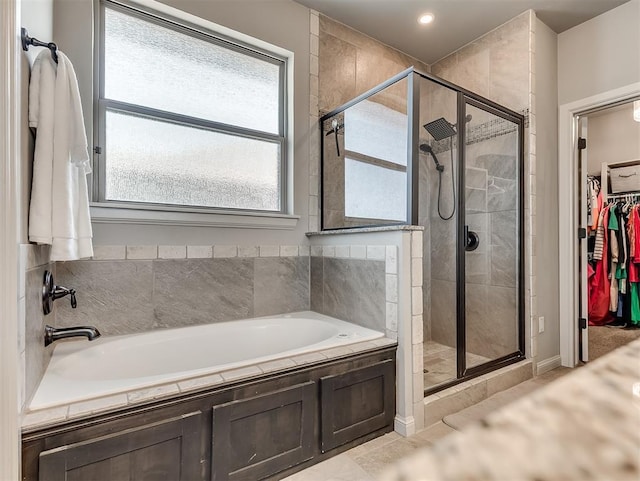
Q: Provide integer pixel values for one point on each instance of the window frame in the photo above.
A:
(143, 212)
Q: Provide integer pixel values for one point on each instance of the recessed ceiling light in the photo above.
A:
(426, 18)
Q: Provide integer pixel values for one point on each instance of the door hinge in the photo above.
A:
(582, 323)
(582, 143)
(582, 233)
(97, 150)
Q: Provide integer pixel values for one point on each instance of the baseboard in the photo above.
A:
(548, 364)
(404, 426)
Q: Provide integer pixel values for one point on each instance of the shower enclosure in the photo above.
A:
(419, 150)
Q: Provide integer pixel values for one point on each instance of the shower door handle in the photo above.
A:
(472, 240)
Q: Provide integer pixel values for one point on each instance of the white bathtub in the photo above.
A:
(81, 370)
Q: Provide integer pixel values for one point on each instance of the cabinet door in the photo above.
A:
(256, 437)
(357, 403)
(167, 450)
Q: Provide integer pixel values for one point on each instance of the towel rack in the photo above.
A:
(27, 40)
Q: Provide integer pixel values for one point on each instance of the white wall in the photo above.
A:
(547, 189)
(600, 55)
(613, 137)
(282, 23)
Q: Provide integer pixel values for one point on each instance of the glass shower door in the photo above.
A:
(490, 238)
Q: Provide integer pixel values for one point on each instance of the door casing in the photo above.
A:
(567, 216)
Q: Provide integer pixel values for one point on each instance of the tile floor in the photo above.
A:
(367, 461)
(440, 363)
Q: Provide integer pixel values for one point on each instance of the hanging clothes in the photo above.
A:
(600, 286)
(594, 201)
(614, 267)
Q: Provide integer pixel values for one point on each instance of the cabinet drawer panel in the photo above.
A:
(159, 451)
(357, 403)
(260, 436)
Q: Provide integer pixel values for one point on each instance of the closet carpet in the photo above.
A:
(603, 339)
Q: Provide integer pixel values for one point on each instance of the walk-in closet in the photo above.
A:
(609, 149)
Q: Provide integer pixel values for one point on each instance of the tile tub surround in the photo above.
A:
(582, 426)
(129, 289)
(34, 356)
(400, 246)
(357, 283)
(350, 289)
(36, 420)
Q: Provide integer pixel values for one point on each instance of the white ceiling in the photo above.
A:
(457, 22)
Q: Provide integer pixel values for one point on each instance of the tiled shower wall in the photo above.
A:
(499, 66)
(344, 64)
(350, 63)
(132, 289)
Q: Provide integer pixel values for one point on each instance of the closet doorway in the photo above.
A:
(609, 238)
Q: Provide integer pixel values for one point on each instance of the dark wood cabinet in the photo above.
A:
(356, 403)
(263, 428)
(166, 450)
(263, 435)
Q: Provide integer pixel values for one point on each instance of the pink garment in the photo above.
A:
(600, 284)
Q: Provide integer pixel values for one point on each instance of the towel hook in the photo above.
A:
(27, 40)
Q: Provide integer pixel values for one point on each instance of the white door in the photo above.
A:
(583, 299)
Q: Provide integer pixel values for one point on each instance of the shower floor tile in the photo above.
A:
(440, 363)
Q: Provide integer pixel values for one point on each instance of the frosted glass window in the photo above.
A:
(377, 131)
(374, 192)
(160, 162)
(148, 64)
(187, 118)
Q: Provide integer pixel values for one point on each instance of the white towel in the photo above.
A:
(59, 210)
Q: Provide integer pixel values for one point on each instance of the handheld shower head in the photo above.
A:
(426, 148)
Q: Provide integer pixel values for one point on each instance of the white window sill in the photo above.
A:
(101, 214)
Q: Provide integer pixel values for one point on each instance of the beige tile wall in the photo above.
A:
(350, 63)
(501, 67)
(34, 357)
(344, 64)
(137, 288)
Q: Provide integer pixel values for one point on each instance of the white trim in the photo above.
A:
(567, 196)
(404, 426)
(10, 55)
(170, 17)
(548, 365)
(257, 220)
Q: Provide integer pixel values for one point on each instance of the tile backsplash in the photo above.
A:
(141, 288)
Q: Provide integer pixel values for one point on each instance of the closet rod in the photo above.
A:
(27, 40)
(634, 196)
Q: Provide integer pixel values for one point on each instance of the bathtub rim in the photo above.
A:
(169, 386)
(38, 420)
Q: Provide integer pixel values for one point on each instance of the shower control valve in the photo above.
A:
(51, 292)
(472, 240)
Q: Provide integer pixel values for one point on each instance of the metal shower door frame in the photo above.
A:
(464, 373)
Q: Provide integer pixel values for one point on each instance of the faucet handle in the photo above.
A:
(51, 292)
(61, 291)
(72, 296)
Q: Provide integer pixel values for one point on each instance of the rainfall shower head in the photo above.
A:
(440, 129)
